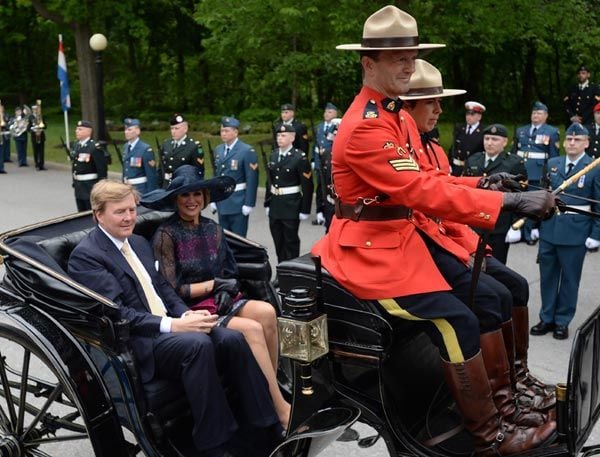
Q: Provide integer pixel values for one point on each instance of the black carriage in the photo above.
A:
(69, 384)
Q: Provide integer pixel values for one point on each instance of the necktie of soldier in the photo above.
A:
(469, 129)
(156, 306)
(570, 166)
(128, 148)
(227, 149)
(533, 132)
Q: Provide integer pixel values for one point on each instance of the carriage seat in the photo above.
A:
(356, 324)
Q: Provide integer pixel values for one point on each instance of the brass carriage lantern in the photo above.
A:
(302, 328)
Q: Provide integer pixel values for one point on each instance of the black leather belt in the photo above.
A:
(362, 212)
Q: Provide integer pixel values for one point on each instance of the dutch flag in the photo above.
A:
(63, 77)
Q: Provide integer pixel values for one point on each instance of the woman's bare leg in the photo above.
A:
(253, 333)
(264, 313)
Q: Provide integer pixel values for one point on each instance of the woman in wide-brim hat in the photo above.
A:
(194, 257)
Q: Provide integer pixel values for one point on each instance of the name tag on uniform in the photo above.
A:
(135, 162)
(234, 165)
(83, 157)
(581, 182)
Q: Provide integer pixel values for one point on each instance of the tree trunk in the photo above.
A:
(87, 74)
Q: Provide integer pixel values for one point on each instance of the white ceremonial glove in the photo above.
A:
(312, 166)
(513, 236)
(267, 211)
(246, 210)
(320, 218)
(213, 207)
(591, 243)
(303, 216)
(535, 234)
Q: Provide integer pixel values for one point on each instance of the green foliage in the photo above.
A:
(216, 57)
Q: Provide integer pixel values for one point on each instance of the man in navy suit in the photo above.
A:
(565, 237)
(237, 159)
(167, 338)
(535, 143)
(139, 164)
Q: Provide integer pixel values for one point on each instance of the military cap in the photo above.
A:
(84, 123)
(583, 68)
(496, 129)
(229, 121)
(474, 106)
(288, 107)
(177, 119)
(539, 106)
(330, 105)
(286, 128)
(597, 107)
(576, 129)
(131, 122)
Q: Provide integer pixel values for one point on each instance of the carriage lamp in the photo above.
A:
(302, 332)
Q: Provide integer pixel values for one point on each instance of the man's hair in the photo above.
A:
(111, 190)
(371, 54)
(410, 103)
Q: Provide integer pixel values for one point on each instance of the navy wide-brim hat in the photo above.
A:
(187, 178)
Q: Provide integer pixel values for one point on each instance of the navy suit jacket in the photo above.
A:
(242, 165)
(572, 229)
(99, 265)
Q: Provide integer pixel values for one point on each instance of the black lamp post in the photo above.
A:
(98, 43)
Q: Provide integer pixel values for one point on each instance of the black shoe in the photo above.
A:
(561, 332)
(23, 165)
(8, 160)
(41, 169)
(593, 250)
(2, 172)
(531, 242)
(541, 328)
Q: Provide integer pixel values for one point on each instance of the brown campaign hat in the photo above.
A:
(426, 82)
(390, 28)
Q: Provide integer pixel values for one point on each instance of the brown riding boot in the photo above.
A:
(508, 334)
(469, 385)
(498, 371)
(532, 392)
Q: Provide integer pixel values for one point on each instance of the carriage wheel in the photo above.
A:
(39, 412)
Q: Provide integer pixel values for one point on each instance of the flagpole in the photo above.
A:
(66, 113)
(65, 98)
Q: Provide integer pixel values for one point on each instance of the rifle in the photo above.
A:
(119, 154)
(213, 160)
(266, 165)
(160, 167)
(65, 147)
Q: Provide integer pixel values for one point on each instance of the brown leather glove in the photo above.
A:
(538, 204)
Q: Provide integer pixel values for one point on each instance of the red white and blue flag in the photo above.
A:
(63, 77)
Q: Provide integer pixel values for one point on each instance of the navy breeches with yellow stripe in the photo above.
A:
(452, 326)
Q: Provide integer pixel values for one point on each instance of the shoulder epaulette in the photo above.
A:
(371, 111)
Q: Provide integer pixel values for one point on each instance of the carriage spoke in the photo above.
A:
(55, 393)
(9, 399)
(23, 392)
(37, 453)
(56, 439)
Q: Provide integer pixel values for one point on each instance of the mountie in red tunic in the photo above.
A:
(373, 156)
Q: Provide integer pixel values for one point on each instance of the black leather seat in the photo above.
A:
(360, 325)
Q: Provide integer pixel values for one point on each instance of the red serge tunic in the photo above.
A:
(372, 155)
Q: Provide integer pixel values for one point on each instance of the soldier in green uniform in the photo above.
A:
(495, 160)
(180, 150)
(289, 193)
(89, 164)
